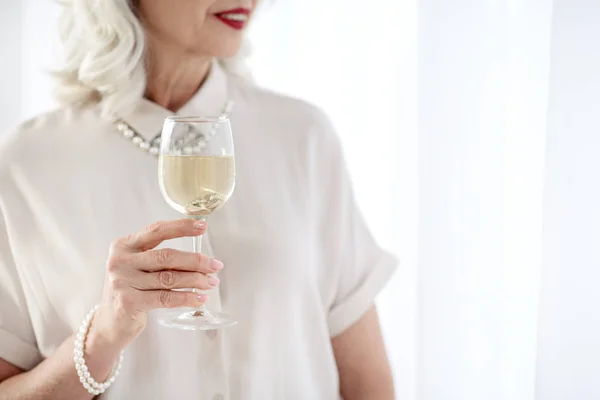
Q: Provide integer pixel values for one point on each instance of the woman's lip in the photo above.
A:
(235, 24)
(238, 10)
(235, 18)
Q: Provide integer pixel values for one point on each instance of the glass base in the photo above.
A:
(195, 320)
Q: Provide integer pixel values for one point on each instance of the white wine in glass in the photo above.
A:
(197, 185)
(196, 173)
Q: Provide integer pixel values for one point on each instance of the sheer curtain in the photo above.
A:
(569, 321)
(483, 95)
(472, 132)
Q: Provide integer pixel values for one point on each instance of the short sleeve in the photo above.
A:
(17, 339)
(360, 267)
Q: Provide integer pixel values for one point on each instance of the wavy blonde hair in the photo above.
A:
(103, 45)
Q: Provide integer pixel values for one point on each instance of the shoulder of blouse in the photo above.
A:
(44, 131)
(294, 112)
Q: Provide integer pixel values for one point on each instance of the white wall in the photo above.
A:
(569, 341)
(11, 14)
(28, 40)
(40, 39)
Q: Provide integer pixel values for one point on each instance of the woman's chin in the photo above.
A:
(221, 49)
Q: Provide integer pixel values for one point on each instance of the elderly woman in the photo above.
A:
(296, 265)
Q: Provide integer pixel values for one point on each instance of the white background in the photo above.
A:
(472, 132)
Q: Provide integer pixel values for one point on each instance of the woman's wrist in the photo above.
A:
(109, 334)
(100, 342)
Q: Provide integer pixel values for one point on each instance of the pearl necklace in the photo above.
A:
(193, 139)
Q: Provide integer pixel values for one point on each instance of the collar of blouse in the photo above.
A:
(144, 125)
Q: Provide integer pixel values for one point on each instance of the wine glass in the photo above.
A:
(196, 173)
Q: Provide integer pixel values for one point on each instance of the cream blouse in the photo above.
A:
(300, 264)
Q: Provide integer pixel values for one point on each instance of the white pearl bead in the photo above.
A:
(153, 150)
(122, 126)
(137, 140)
(128, 133)
(144, 145)
(85, 377)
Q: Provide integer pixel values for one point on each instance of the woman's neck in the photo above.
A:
(173, 76)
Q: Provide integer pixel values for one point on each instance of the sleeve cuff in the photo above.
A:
(346, 314)
(18, 352)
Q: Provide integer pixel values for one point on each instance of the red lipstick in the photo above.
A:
(236, 18)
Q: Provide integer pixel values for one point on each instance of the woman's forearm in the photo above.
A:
(56, 377)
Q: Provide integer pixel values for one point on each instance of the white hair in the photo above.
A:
(104, 55)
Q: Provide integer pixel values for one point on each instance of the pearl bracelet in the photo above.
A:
(85, 378)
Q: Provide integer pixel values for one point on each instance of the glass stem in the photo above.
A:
(197, 248)
(197, 244)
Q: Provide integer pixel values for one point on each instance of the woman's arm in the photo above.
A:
(364, 370)
(56, 377)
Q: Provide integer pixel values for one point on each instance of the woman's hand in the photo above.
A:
(140, 279)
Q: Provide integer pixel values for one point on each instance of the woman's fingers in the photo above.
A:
(158, 232)
(140, 279)
(156, 260)
(153, 299)
(170, 279)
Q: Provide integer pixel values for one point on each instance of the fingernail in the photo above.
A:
(200, 224)
(213, 280)
(202, 298)
(216, 265)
